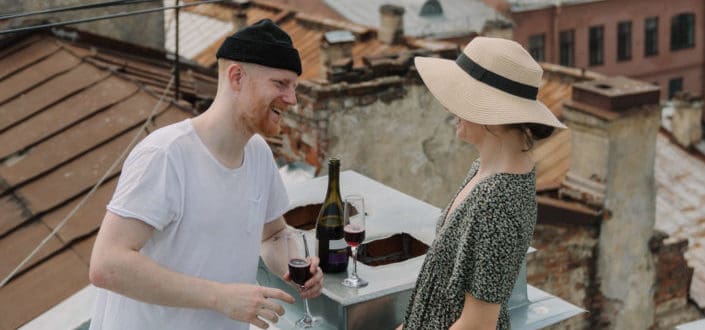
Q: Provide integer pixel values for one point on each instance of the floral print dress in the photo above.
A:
(479, 248)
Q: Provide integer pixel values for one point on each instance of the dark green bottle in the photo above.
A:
(332, 249)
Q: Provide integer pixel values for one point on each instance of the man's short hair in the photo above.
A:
(262, 43)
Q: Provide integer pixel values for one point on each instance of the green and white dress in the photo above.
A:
(479, 249)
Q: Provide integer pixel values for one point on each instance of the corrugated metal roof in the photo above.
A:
(67, 111)
(196, 32)
(680, 179)
(460, 17)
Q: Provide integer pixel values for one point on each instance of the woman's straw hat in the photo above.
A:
(493, 82)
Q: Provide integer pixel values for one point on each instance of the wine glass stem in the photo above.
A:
(354, 253)
(307, 317)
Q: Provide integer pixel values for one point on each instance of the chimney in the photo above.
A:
(335, 46)
(391, 25)
(613, 123)
(686, 123)
(239, 18)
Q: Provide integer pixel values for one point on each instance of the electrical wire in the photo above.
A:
(97, 18)
(74, 8)
(93, 190)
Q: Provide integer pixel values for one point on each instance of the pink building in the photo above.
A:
(656, 41)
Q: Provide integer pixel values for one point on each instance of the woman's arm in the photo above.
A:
(477, 315)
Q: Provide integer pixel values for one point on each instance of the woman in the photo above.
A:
(483, 234)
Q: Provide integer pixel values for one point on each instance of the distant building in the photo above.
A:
(656, 41)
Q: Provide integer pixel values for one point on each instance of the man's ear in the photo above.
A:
(235, 73)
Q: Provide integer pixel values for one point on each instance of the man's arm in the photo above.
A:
(274, 255)
(117, 265)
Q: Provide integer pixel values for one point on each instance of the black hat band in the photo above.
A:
(492, 79)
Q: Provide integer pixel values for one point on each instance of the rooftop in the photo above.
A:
(679, 175)
(458, 17)
(68, 109)
(306, 30)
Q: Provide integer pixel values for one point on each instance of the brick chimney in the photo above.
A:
(686, 123)
(335, 46)
(391, 25)
(239, 18)
(613, 123)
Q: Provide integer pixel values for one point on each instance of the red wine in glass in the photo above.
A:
(354, 234)
(299, 270)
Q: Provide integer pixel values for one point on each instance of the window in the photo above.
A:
(683, 31)
(675, 85)
(651, 36)
(567, 48)
(624, 41)
(596, 45)
(537, 47)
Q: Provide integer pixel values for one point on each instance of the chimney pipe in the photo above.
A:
(391, 25)
(614, 123)
(239, 18)
(686, 123)
(335, 45)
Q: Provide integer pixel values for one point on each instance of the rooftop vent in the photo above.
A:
(338, 36)
(431, 8)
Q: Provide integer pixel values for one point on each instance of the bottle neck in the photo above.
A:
(334, 179)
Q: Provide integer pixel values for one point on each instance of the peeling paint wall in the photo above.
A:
(397, 134)
(409, 144)
(625, 264)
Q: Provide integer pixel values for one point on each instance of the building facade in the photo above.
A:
(655, 41)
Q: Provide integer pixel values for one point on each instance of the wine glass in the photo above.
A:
(354, 231)
(300, 271)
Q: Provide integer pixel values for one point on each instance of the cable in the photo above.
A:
(90, 193)
(92, 19)
(72, 8)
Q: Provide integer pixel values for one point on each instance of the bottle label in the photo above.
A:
(338, 244)
(338, 253)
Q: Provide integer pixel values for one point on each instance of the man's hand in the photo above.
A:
(314, 285)
(251, 303)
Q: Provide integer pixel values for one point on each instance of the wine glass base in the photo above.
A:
(354, 282)
(308, 323)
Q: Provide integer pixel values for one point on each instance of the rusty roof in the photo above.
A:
(67, 112)
(306, 30)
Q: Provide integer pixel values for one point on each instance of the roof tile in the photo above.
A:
(16, 247)
(74, 141)
(41, 288)
(54, 64)
(26, 55)
(64, 114)
(47, 93)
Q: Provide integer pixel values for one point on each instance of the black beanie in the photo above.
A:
(262, 43)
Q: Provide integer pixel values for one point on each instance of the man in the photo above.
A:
(179, 244)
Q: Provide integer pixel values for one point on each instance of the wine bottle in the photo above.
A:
(332, 249)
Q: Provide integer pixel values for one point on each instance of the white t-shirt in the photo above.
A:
(208, 221)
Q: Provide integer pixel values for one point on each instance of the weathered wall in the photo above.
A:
(673, 277)
(394, 132)
(564, 265)
(625, 264)
(145, 29)
(409, 144)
